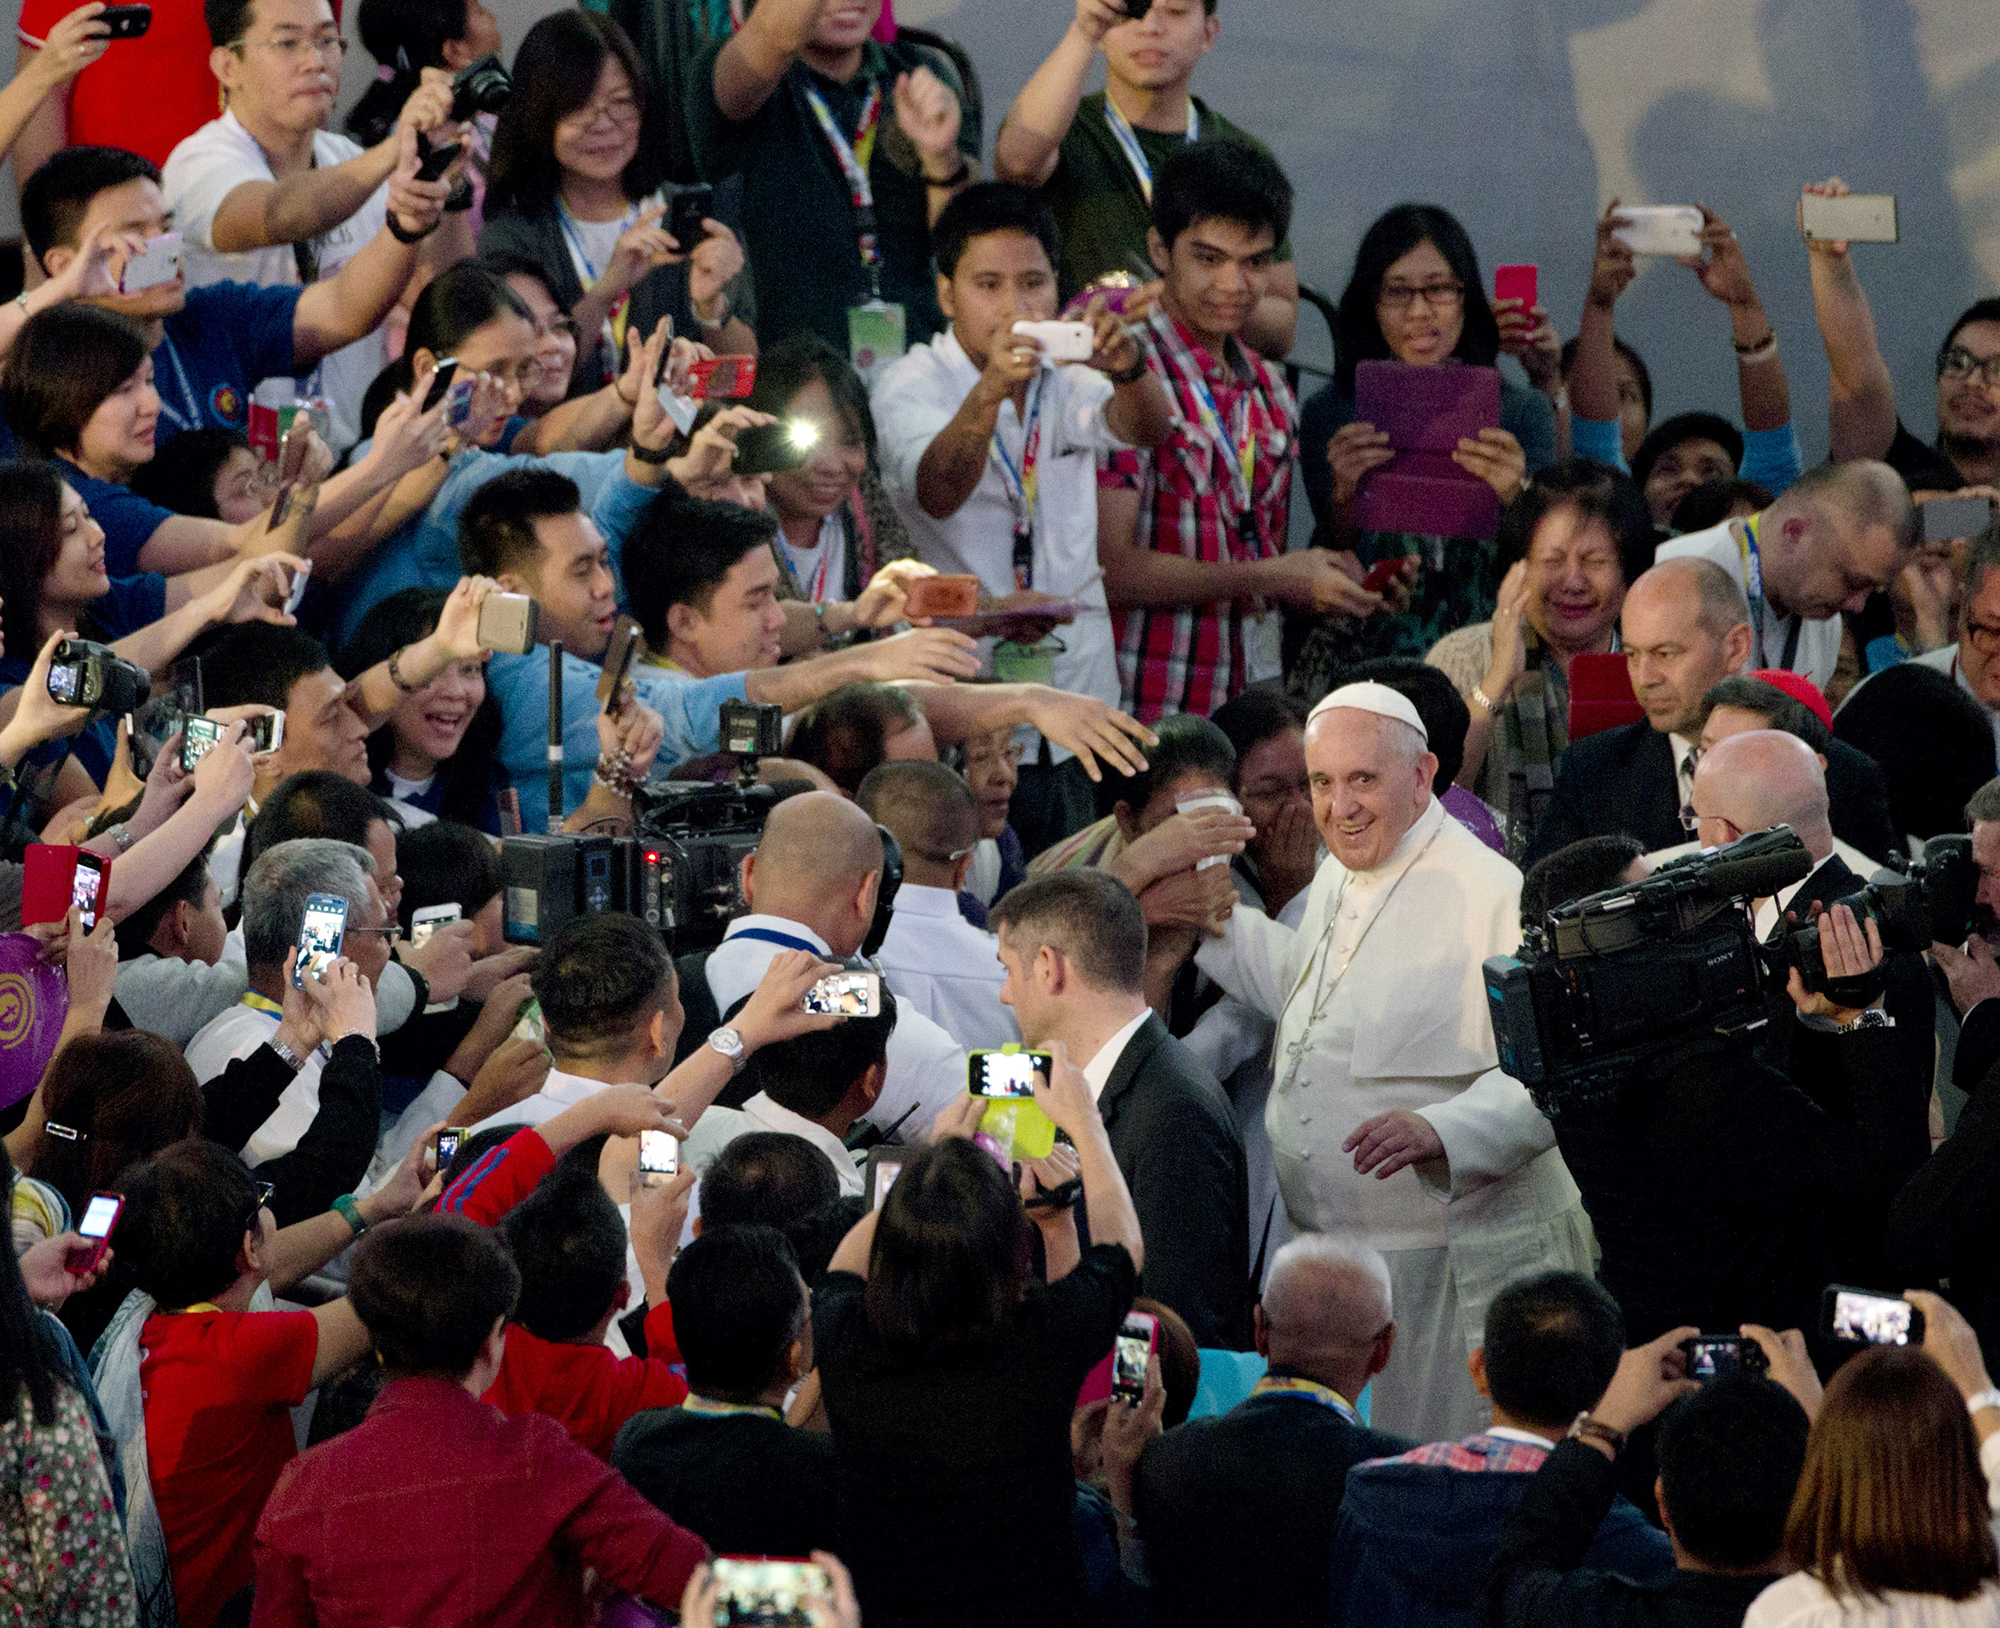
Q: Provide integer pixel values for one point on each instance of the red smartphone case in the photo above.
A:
(1600, 695)
(1515, 283)
(717, 377)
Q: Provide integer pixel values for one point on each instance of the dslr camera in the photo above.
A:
(480, 87)
(1933, 902)
(84, 673)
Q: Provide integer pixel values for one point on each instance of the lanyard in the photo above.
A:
(829, 529)
(193, 419)
(612, 340)
(262, 1003)
(1745, 532)
(1128, 142)
(1237, 441)
(853, 161)
(1311, 1390)
(721, 1410)
(1020, 484)
(770, 936)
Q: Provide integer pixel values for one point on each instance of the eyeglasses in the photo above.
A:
(389, 934)
(620, 109)
(1440, 296)
(266, 1190)
(1983, 634)
(290, 47)
(1960, 363)
(523, 375)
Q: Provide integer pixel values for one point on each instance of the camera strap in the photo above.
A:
(1128, 142)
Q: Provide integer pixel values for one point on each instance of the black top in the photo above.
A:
(1239, 1512)
(956, 1486)
(1535, 1583)
(1924, 469)
(745, 1483)
(338, 1145)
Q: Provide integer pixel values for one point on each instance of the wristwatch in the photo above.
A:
(730, 1044)
(651, 455)
(1586, 1427)
(1871, 1017)
(292, 1059)
(1981, 1400)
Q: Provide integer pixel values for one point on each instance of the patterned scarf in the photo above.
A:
(1521, 758)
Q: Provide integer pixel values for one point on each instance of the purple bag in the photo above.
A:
(34, 1001)
(1425, 412)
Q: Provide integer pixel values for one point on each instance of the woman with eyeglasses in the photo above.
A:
(575, 187)
(1416, 296)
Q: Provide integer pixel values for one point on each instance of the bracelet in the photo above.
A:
(1585, 1427)
(718, 324)
(396, 230)
(1132, 374)
(292, 1059)
(21, 299)
(121, 835)
(650, 455)
(1978, 1401)
(964, 169)
(1765, 350)
(396, 674)
(350, 1212)
(1484, 702)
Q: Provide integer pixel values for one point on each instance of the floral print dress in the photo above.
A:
(62, 1551)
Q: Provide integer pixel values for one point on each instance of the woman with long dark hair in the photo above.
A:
(1415, 296)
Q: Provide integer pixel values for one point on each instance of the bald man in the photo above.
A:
(811, 885)
(1388, 1116)
(1685, 627)
(935, 960)
(1241, 1510)
(1836, 535)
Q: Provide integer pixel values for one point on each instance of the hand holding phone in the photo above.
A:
(508, 623)
(199, 737)
(321, 933)
(100, 1216)
(1131, 1355)
(659, 1158)
(1515, 283)
(157, 263)
(1660, 229)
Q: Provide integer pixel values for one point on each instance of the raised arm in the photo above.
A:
(1031, 135)
(38, 94)
(759, 53)
(1760, 372)
(1861, 396)
(1066, 1099)
(1593, 375)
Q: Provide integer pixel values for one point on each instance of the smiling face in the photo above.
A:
(555, 342)
(597, 140)
(505, 350)
(826, 479)
(119, 436)
(78, 575)
(1161, 48)
(1576, 585)
(1968, 409)
(1215, 274)
(1421, 307)
(1371, 781)
(430, 724)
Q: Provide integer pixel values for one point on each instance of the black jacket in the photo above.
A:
(1239, 1512)
(1623, 780)
(1182, 1156)
(335, 1152)
(744, 1483)
(1536, 1583)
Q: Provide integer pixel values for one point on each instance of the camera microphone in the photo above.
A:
(1757, 875)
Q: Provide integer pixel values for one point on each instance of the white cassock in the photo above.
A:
(1381, 1005)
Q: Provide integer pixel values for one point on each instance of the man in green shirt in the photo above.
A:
(1095, 156)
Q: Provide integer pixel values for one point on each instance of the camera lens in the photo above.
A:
(480, 87)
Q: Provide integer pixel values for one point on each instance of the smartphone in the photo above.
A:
(157, 262)
(885, 1164)
(265, 732)
(436, 160)
(1860, 217)
(765, 1591)
(199, 736)
(686, 211)
(86, 888)
(292, 454)
(1131, 1353)
(716, 377)
(618, 656)
(458, 403)
(1862, 1316)
(100, 1215)
(126, 22)
(1006, 1074)
(1948, 518)
(1515, 283)
(508, 623)
(942, 596)
(448, 1144)
(301, 575)
(851, 994)
(428, 920)
(1384, 572)
(1659, 228)
(1717, 1356)
(440, 381)
(320, 936)
(659, 1155)
(1062, 341)
(771, 449)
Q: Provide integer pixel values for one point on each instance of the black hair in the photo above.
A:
(1443, 710)
(428, 1288)
(950, 1259)
(1730, 1457)
(786, 368)
(64, 364)
(738, 1306)
(1587, 866)
(770, 1178)
(1253, 717)
(31, 503)
(1639, 369)
(314, 803)
(596, 978)
(404, 37)
(186, 1211)
(1985, 310)
(845, 732)
(1778, 709)
(453, 306)
(569, 1242)
(181, 475)
(227, 19)
(1669, 433)
(1594, 491)
(127, 1093)
(1552, 1344)
(811, 1073)
(505, 263)
(1186, 741)
(57, 197)
(1712, 502)
(257, 664)
(680, 551)
(135, 931)
(1086, 913)
(470, 775)
(446, 862)
(1933, 741)
(28, 1360)
(1225, 179)
(992, 206)
(818, 1235)
(496, 528)
(555, 74)
(1358, 332)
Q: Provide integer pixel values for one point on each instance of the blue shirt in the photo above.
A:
(132, 603)
(230, 337)
(128, 519)
(691, 707)
(423, 553)
(1771, 458)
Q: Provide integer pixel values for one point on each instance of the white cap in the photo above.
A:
(1379, 699)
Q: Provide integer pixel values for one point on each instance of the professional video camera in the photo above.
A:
(1933, 902)
(83, 673)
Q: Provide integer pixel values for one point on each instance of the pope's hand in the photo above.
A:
(1389, 1141)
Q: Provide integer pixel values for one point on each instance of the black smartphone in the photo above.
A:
(434, 161)
(446, 367)
(771, 449)
(126, 22)
(448, 1141)
(1866, 1316)
(618, 655)
(687, 209)
(1716, 1356)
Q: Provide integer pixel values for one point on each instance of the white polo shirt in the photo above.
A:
(1818, 649)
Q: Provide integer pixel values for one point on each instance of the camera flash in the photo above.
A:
(802, 433)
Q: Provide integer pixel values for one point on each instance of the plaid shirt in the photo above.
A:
(1190, 658)
(1481, 1452)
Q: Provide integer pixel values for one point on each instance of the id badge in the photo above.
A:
(875, 336)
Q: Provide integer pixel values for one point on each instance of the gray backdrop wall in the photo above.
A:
(1524, 116)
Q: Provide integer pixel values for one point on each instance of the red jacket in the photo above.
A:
(590, 1390)
(437, 1510)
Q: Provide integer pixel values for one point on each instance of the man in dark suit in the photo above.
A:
(1238, 1513)
(1074, 946)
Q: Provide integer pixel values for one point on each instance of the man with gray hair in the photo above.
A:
(1243, 1507)
(1389, 1118)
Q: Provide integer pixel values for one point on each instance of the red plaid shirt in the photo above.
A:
(1190, 658)
(1480, 1452)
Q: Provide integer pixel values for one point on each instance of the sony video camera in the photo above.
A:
(84, 673)
(1935, 901)
(1637, 974)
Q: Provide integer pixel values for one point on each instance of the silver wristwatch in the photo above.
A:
(730, 1044)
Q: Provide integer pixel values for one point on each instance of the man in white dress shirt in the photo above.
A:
(937, 962)
(1389, 1118)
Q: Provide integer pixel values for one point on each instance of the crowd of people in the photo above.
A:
(400, 1240)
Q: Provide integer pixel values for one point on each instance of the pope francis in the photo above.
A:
(1388, 1118)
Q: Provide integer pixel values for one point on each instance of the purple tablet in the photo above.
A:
(1426, 411)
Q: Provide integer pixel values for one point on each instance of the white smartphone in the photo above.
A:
(851, 994)
(1659, 228)
(1860, 217)
(301, 574)
(1062, 341)
(425, 922)
(158, 261)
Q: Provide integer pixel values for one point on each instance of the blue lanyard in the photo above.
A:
(193, 419)
(1753, 584)
(771, 936)
(1128, 142)
(574, 238)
